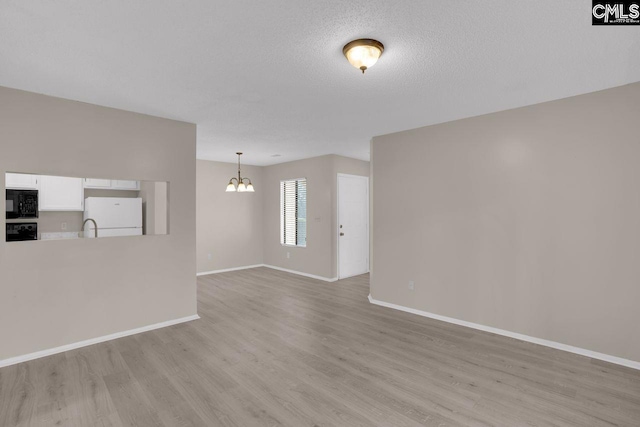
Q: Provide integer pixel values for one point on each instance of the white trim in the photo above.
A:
(346, 175)
(224, 270)
(300, 273)
(92, 341)
(559, 346)
(354, 275)
(286, 270)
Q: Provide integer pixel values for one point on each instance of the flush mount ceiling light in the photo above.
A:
(241, 187)
(363, 53)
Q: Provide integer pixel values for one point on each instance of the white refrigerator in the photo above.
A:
(115, 216)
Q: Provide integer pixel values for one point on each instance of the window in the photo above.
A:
(293, 212)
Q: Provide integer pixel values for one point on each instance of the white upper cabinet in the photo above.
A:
(97, 183)
(21, 181)
(111, 184)
(58, 193)
(125, 185)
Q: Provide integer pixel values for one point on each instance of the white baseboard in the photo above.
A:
(300, 273)
(73, 346)
(353, 275)
(559, 346)
(245, 267)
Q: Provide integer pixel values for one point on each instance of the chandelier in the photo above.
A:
(240, 186)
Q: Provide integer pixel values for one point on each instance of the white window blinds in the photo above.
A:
(293, 212)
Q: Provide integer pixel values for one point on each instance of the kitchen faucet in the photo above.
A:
(94, 225)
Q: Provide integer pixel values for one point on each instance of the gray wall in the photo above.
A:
(229, 224)
(161, 208)
(54, 293)
(243, 229)
(154, 206)
(526, 220)
(148, 195)
(319, 257)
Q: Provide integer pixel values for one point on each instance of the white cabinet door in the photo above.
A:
(21, 180)
(124, 185)
(59, 193)
(97, 183)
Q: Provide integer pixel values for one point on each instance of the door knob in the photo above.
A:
(342, 234)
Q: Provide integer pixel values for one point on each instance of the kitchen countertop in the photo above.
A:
(60, 235)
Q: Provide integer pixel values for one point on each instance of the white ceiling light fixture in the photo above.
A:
(363, 53)
(241, 186)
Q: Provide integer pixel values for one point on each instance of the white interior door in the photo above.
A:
(353, 225)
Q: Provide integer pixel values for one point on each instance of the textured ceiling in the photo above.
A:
(269, 77)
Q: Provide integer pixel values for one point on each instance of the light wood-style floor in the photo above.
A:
(277, 349)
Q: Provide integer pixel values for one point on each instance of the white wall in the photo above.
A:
(54, 293)
(526, 220)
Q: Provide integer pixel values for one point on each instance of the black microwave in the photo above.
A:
(21, 204)
(20, 231)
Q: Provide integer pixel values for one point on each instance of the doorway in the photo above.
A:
(353, 225)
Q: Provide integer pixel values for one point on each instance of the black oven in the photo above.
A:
(21, 204)
(19, 231)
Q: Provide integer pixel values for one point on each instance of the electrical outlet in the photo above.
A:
(411, 285)
(63, 226)
(209, 257)
(288, 254)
